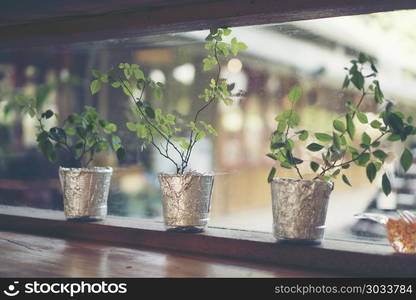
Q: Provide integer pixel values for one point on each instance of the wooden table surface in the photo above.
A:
(25, 255)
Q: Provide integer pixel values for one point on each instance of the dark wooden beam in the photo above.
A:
(36, 23)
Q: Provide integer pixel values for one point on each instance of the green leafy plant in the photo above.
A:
(337, 146)
(81, 135)
(162, 130)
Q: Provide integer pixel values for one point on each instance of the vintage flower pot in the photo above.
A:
(85, 192)
(299, 209)
(186, 201)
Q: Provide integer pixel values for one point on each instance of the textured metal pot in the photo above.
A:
(186, 201)
(299, 209)
(85, 192)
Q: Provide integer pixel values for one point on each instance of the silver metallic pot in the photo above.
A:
(186, 201)
(85, 192)
(299, 209)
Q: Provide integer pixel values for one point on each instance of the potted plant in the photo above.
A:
(85, 189)
(299, 205)
(186, 194)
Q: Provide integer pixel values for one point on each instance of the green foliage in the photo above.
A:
(295, 94)
(345, 179)
(339, 125)
(406, 159)
(385, 183)
(314, 166)
(323, 137)
(167, 132)
(371, 171)
(336, 151)
(271, 175)
(81, 135)
(314, 147)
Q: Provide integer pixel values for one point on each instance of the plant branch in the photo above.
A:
(192, 139)
(167, 139)
(334, 165)
(324, 170)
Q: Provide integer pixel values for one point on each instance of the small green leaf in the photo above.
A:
(70, 131)
(395, 122)
(242, 46)
(345, 179)
(314, 147)
(110, 128)
(375, 124)
(286, 165)
(121, 153)
(95, 73)
(336, 141)
(131, 126)
(339, 125)
(271, 175)
(323, 137)
(362, 58)
(314, 166)
(406, 159)
(199, 135)
(380, 154)
(346, 82)
(296, 161)
(150, 112)
(394, 138)
(226, 31)
(375, 144)
(362, 117)
(352, 150)
(365, 139)
(158, 93)
(363, 159)
(234, 46)
(295, 94)
(385, 183)
(350, 126)
(95, 86)
(116, 142)
(277, 145)
(290, 144)
(378, 94)
(336, 173)
(272, 156)
(116, 84)
(304, 135)
(138, 74)
(371, 171)
(358, 80)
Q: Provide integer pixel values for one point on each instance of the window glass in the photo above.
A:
(311, 53)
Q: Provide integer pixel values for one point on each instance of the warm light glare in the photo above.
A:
(185, 73)
(157, 75)
(234, 65)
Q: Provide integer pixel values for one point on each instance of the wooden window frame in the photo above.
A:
(28, 23)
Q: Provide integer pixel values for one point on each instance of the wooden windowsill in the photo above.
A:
(349, 257)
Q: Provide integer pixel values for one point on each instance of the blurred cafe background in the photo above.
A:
(311, 53)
